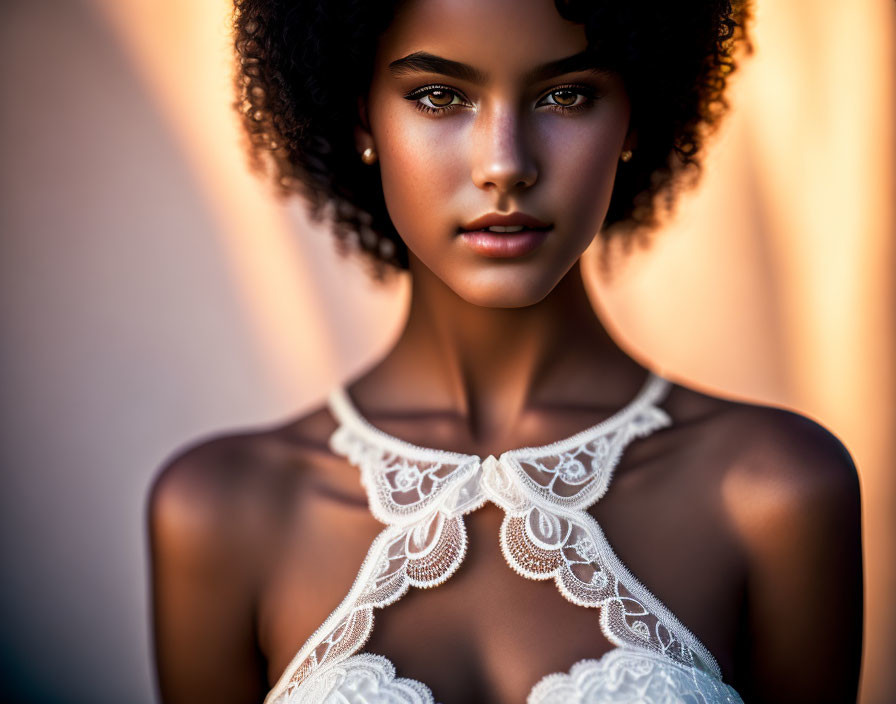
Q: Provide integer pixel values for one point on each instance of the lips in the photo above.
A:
(502, 245)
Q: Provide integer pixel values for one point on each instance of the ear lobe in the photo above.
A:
(631, 140)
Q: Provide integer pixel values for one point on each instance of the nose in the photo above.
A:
(502, 159)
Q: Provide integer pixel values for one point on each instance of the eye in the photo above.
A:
(566, 98)
(435, 99)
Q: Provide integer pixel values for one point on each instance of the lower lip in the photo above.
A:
(504, 245)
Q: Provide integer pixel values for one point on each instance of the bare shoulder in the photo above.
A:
(227, 490)
(786, 469)
(778, 458)
(215, 516)
(789, 494)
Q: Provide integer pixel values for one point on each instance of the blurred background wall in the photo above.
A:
(151, 291)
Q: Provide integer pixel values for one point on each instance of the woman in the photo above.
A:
(665, 545)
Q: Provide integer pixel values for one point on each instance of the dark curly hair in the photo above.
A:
(303, 64)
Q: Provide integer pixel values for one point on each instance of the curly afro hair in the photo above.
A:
(303, 63)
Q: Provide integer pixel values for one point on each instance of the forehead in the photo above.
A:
(500, 37)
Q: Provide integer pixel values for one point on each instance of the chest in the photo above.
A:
(486, 633)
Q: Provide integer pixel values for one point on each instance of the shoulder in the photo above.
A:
(789, 496)
(225, 491)
(786, 469)
(768, 470)
(777, 458)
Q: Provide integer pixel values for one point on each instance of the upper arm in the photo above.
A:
(203, 580)
(794, 498)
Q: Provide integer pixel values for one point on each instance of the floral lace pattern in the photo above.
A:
(423, 554)
(631, 677)
(362, 679)
(620, 676)
(421, 495)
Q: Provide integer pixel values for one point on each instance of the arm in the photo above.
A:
(795, 500)
(203, 580)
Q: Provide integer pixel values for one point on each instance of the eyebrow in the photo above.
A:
(424, 62)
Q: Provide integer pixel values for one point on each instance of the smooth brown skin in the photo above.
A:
(742, 519)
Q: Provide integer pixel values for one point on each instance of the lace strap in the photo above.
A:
(345, 411)
(652, 392)
(576, 472)
(422, 555)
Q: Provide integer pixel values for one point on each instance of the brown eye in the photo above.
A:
(569, 99)
(436, 99)
(440, 98)
(565, 98)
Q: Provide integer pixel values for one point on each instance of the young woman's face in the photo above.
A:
(482, 107)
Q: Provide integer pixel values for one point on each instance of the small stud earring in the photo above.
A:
(368, 156)
(626, 155)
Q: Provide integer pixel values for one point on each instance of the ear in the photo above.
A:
(363, 135)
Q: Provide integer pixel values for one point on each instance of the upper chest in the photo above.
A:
(488, 632)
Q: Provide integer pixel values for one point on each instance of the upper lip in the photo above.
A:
(489, 219)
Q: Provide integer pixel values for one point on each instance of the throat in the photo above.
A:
(488, 367)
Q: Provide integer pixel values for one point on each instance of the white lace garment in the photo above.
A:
(421, 495)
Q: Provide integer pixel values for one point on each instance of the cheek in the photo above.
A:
(579, 165)
(422, 165)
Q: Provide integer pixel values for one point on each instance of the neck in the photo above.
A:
(489, 365)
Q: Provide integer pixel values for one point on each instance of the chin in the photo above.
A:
(511, 288)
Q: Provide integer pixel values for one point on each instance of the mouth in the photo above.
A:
(504, 236)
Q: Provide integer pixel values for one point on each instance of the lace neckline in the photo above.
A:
(347, 414)
(421, 495)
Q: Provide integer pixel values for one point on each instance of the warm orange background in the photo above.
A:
(152, 290)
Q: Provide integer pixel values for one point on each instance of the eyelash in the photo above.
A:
(586, 91)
